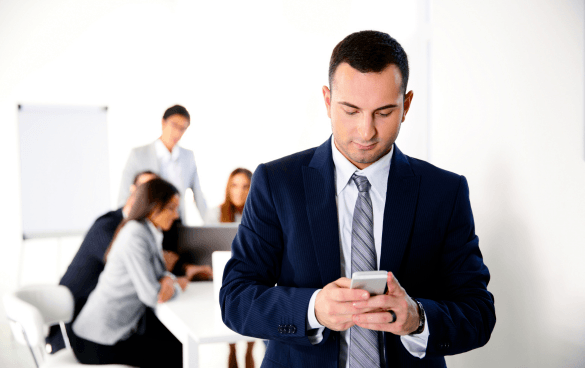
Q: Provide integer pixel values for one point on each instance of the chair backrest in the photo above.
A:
(55, 302)
(30, 310)
(24, 318)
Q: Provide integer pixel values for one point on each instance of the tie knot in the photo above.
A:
(362, 182)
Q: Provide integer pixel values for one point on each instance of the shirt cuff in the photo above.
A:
(416, 345)
(314, 328)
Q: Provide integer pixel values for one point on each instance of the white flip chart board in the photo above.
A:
(64, 168)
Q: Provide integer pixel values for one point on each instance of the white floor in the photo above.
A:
(14, 355)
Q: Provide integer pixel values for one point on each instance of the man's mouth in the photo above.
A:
(365, 147)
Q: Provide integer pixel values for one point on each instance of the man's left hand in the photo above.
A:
(396, 300)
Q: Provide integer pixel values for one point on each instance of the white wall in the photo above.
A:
(249, 72)
(508, 104)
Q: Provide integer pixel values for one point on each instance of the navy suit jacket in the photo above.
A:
(289, 236)
(83, 273)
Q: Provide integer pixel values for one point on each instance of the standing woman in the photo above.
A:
(117, 324)
(231, 210)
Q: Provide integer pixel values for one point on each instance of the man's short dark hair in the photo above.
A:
(143, 173)
(177, 109)
(369, 51)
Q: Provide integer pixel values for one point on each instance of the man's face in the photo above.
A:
(366, 111)
(173, 129)
(143, 178)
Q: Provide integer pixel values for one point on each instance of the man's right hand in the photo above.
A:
(334, 304)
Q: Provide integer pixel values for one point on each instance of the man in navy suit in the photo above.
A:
(288, 278)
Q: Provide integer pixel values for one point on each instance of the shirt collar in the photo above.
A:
(377, 173)
(158, 234)
(163, 153)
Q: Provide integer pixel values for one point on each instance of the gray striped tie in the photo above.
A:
(364, 348)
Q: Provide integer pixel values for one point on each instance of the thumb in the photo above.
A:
(393, 284)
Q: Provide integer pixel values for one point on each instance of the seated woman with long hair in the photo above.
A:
(231, 210)
(117, 324)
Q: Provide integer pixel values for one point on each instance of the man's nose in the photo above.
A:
(366, 128)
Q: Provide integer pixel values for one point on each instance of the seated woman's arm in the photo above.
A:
(138, 259)
(170, 287)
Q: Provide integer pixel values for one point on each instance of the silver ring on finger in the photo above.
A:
(393, 316)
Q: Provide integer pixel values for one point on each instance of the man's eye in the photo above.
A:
(350, 112)
(385, 115)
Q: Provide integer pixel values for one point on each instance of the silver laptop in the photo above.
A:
(199, 242)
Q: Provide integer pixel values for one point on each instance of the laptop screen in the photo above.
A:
(197, 243)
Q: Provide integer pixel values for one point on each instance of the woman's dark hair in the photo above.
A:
(177, 109)
(228, 209)
(369, 51)
(153, 194)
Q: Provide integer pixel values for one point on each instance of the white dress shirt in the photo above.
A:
(347, 194)
(170, 170)
(158, 234)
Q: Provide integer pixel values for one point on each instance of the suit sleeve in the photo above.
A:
(127, 178)
(251, 304)
(465, 316)
(197, 192)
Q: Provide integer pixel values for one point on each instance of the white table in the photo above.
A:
(195, 318)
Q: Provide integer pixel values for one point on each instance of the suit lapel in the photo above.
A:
(319, 185)
(401, 200)
(152, 158)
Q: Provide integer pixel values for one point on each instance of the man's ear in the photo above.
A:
(132, 188)
(327, 98)
(407, 102)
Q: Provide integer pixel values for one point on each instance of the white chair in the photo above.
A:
(31, 311)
